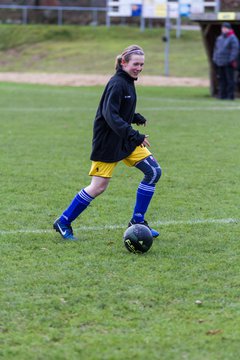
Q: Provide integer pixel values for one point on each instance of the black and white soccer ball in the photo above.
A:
(138, 238)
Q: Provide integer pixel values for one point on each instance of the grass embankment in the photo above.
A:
(75, 49)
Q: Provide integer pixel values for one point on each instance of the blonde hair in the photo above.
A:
(127, 54)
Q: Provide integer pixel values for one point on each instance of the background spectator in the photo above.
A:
(225, 56)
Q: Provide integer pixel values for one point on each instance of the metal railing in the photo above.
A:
(25, 9)
(59, 11)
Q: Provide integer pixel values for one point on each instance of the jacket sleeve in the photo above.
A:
(234, 49)
(111, 113)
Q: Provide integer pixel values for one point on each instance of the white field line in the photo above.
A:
(52, 109)
(188, 108)
(187, 101)
(123, 226)
(160, 108)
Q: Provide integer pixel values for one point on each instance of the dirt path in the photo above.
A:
(90, 80)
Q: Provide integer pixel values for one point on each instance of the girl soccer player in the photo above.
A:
(115, 140)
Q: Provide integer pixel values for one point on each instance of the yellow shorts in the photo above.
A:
(105, 170)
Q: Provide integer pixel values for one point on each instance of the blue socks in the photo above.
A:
(77, 206)
(145, 193)
(81, 201)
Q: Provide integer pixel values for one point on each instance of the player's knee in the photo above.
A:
(100, 189)
(153, 175)
(97, 186)
(151, 169)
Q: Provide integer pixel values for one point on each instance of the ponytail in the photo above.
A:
(118, 62)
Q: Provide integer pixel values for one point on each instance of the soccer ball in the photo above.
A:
(138, 238)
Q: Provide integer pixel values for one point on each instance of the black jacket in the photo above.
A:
(113, 136)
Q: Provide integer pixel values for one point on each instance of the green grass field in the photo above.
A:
(92, 299)
(79, 49)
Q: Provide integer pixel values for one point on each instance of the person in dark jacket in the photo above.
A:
(114, 140)
(225, 58)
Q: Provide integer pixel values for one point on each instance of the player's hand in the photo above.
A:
(139, 119)
(145, 142)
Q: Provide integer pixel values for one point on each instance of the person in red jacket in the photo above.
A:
(225, 58)
(114, 140)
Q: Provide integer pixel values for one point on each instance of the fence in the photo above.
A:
(47, 11)
(59, 10)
